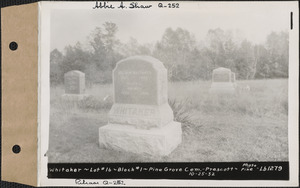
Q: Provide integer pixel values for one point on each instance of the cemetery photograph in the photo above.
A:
(184, 85)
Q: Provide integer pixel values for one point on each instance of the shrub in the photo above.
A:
(87, 104)
(183, 114)
(92, 103)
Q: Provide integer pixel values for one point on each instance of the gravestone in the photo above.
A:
(74, 82)
(141, 120)
(222, 81)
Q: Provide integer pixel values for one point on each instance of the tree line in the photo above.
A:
(184, 57)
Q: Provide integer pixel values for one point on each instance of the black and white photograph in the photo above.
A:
(169, 83)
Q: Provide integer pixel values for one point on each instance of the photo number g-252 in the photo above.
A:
(169, 5)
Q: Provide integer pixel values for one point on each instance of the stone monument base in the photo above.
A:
(155, 141)
(222, 88)
(141, 116)
(74, 97)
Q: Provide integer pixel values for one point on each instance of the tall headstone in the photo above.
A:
(74, 82)
(222, 81)
(141, 120)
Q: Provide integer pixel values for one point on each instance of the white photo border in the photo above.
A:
(44, 101)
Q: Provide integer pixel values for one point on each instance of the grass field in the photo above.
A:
(249, 126)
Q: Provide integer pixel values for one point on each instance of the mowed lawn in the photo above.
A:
(249, 126)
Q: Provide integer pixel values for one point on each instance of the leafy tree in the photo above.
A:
(261, 57)
(200, 66)
(105, 43)
(184, 58)
(105, 53)
(215, 49)
(174, 50)
(245, 62)
(75, 58)
(132, 47)
(277, 45)
(221, 48)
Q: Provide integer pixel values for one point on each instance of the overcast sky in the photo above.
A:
(255, 21)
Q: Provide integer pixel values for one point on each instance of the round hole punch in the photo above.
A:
(16, 149)
(13, 46)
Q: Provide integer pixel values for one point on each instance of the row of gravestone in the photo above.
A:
(223, 80)
(141, 120)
